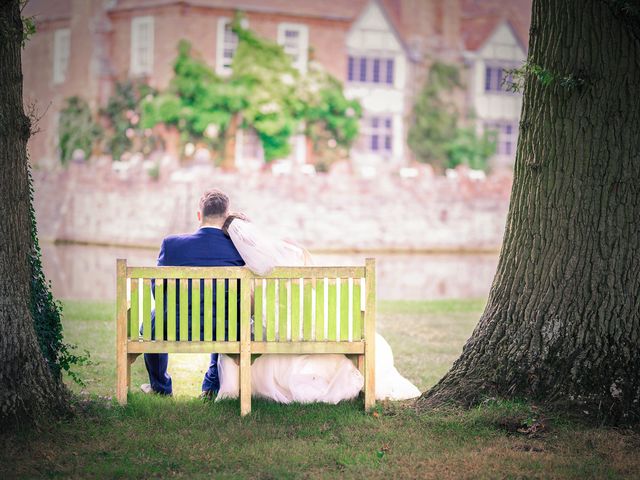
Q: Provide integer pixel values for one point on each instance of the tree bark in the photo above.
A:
(27, 388)
(562, 322)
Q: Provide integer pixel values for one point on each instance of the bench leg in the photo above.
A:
(369, 380)
(123, 374)
(245, 383)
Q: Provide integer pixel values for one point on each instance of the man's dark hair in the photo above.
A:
(214, 203)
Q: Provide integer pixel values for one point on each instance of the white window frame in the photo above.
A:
(301, 54)
(371, 57)
(221, 67)
(382, 132)
(503, 137)
(142, 63)
(61, 54)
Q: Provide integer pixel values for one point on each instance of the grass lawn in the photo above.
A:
(183, 437)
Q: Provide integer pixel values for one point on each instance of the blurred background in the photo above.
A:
(358, 128)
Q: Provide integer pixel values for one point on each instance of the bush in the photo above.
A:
(77, 130)
(469, 148)
(436, 135)
(123, 113)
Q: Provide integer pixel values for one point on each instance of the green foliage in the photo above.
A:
(264, 91)
(331, 120)
(28, 24)
(434, 116)
(123, 114)
(469, 148)
(514, 80)
(47, 313)
(435, 135)
(267, 74)
(77, 129)
(197, 102)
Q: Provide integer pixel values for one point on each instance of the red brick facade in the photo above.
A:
(100, 45)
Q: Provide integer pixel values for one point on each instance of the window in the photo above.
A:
(494, 78)
(294, 38)
(227, 43)
(507, 136)
(377, 134)
(141, 46)
(370, 70)
(61, 47)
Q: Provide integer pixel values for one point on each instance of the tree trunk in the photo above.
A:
(562, 322)
(27, 387)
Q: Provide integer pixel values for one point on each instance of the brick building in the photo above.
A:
(380, 49)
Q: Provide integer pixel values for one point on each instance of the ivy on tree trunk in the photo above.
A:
(29, 389)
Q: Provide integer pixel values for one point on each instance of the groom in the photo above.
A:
(207, 247)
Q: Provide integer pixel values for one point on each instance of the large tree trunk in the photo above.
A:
(27, 387)
(562, 322)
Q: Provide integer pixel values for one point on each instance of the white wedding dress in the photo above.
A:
(328, 378)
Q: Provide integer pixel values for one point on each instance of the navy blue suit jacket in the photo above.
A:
(207, 247)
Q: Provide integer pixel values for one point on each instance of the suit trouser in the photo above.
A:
(157, 364)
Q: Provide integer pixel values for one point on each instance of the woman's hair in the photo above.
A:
(230, 218)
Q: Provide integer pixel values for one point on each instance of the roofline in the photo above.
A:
(389, 22)
(238, 6)
(498, 24)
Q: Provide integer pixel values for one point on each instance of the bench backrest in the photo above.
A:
(290, 304)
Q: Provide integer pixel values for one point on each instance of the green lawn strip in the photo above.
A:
(155, 436)
(183, 437)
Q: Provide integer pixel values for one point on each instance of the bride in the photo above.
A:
(327, 378)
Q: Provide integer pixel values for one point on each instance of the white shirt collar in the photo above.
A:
(210, 226)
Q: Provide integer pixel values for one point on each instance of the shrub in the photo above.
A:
(77, 130)
(437, 135)
(123, 113)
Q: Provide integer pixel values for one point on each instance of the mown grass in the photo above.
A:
(182, 437)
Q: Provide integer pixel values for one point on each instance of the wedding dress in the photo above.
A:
(328, 378)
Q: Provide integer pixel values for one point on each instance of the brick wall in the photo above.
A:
(324, 212)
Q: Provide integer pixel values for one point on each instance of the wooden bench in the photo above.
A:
(320, 308)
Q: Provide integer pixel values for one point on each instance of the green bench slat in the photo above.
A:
(159, 297)
(146, 309)
(184, 310)
(307, 311)
(271, 310)
(344, 310)
(233, 310)
(208, 310)
(295, 309)
(171, 309)
(282, 310)
(357, 310)
(134, 315)
(195, 310)
(320, 309)
(332, 317)
(257, 314)
(220, 310)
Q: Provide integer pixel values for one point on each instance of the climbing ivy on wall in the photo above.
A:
(437, 134)
(264, 92)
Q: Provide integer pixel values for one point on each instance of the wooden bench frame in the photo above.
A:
(128, 348)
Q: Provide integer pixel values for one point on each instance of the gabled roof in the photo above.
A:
(480, 18)
(390, 16)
